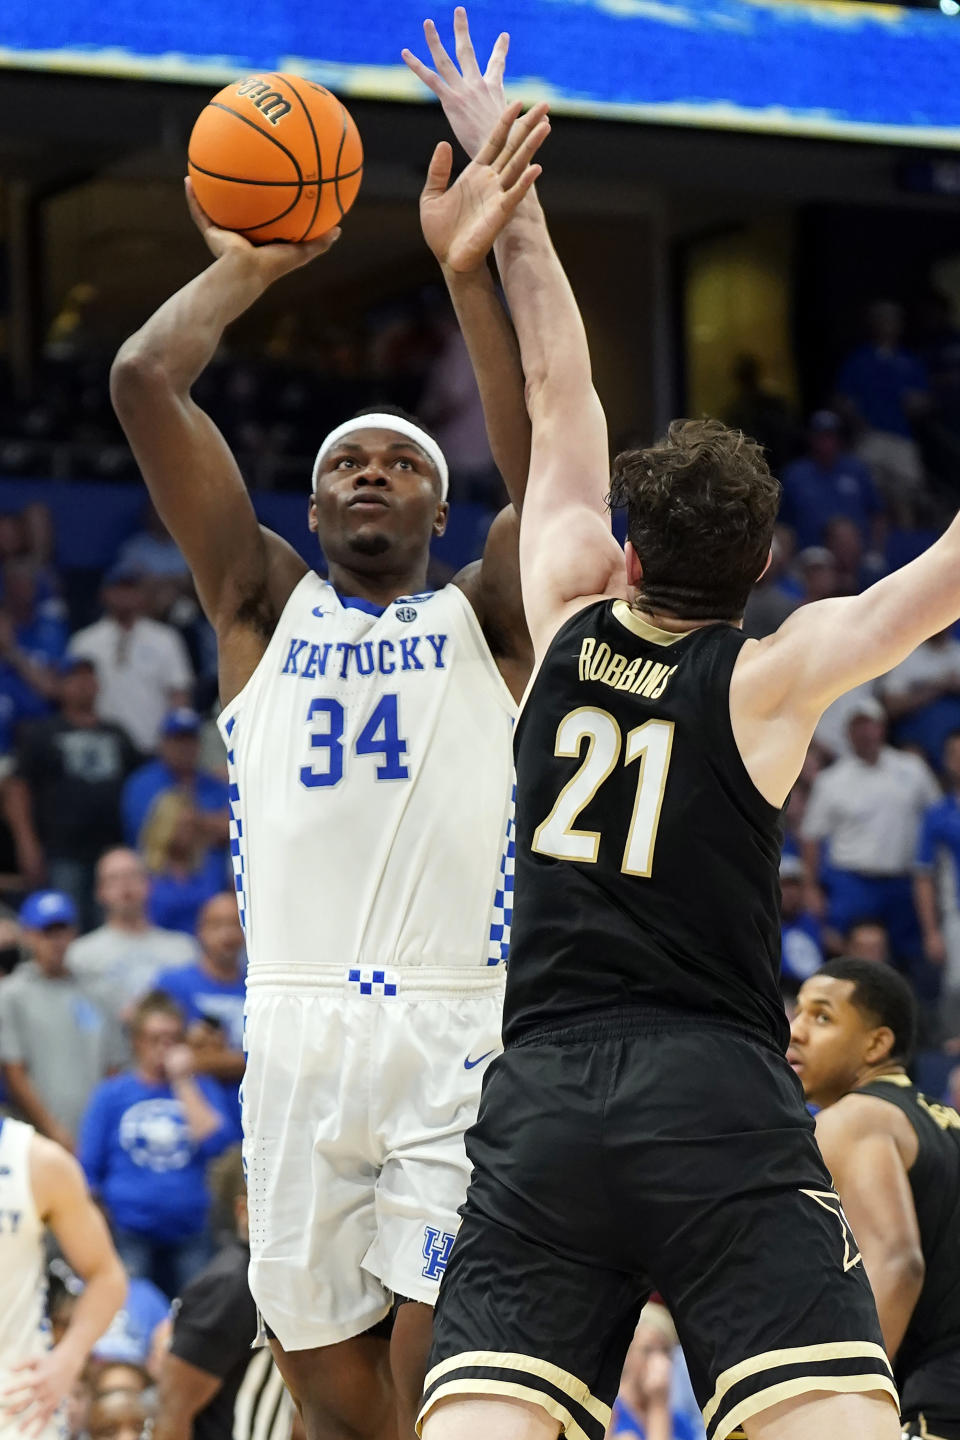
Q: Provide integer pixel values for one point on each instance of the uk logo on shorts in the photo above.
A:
(437, 1245)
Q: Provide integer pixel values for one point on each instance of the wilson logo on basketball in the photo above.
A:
(269, 181)
(269, 102)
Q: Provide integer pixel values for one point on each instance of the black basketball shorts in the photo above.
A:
(930, 1393)
(650, 1152)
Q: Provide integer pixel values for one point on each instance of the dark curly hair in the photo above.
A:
(701, 506)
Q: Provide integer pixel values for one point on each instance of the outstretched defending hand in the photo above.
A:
(472, 101)
(269, 261)
(461, 223)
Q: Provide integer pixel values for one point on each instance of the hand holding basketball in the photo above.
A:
(472, 100)
(270, 261)
(461, 223)
(276, 157)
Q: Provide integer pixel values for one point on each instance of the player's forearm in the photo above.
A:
(18, 811)
(215, 825)
(178, 342)
(218, 1063)
(38, 676)
(495, 357)
(553, 341)
(925, 899)
(27, 1101)
(658, 1422)
(172, 1422)
(899, 706)
(104, 1292)
(810, 851)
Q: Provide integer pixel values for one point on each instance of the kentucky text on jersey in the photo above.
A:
(370, 657)
(639, 676)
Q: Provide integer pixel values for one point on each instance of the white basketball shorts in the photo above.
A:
(360, 1086)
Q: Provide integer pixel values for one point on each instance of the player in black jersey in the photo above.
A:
(895, 1158)
(642, 1128)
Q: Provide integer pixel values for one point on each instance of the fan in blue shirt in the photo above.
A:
(885, 383)
(130, 1335)
(825, 483)
(145, 1142)
(800, 931)
(176, 767)
(211, 995)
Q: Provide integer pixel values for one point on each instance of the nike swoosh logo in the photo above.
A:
(319, 612)
(469, 1064)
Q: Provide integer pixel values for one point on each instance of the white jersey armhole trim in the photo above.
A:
(233, 707)
(16, 1138)
(483, 649)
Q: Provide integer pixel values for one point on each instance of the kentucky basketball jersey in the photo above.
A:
(23, 1329)
(371, 787)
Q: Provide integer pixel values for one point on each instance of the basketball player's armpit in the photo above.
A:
(253, 609)
(494, 590)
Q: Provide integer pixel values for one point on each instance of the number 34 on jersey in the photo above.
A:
(379, 737)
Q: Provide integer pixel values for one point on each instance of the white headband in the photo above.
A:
(386, 422)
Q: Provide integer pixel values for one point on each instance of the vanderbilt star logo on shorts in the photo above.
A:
(830, 1200)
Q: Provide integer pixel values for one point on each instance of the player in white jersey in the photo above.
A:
(42, 1187)
(368, 724)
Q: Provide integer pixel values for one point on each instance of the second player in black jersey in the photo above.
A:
(642, 1128)
(895, 1157)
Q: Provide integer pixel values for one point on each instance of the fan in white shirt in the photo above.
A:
(142, 665)
(929, 673)
(862, 818)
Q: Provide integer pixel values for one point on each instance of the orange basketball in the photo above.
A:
(276, 157)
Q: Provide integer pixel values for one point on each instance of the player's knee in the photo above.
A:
(469, 1418)
(870, 1415)
(343, 1392)
(341, 1417)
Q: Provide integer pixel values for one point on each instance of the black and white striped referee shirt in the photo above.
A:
(214, 1327)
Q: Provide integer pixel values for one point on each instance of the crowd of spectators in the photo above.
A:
(120, 945)
(121, 949)
(867, 485)
(271, 410)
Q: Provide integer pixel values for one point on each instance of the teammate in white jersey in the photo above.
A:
(41, 1187)
(368, 724)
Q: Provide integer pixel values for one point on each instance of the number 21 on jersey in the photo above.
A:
(649, 744)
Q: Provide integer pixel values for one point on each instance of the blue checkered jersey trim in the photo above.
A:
(237, 846)
(502, 917)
